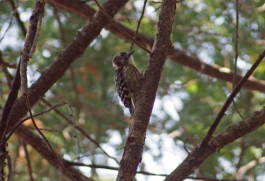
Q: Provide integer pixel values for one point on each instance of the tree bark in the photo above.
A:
(144, 105)
(55, 71)
(199, 155)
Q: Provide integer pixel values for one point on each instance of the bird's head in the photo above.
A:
(122, 59)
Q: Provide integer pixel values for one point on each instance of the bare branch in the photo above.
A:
(30, 42)
(35, 115)
(56, 71)
(15, 12)
(200, 154)
(4, 122)
(176, 55)
(138, 24)
(81, 130)
(231, 98)
(5, 64)
(145, 172)
(28, 161)
(27, 52)
(41, 147)
(7, 29)
(10, 168)
(134, 144)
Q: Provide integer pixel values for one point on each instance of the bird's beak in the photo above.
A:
(129, 54)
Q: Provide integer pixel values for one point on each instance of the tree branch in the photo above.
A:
(28, 161)
(145, 172)
(56, 70)
(41, 147)
(144, 105)
(231, 97)
(243, 170)
(200, 154)
(80, 130)
(16, 14)
(176, 55)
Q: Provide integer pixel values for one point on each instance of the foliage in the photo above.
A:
(187, 101)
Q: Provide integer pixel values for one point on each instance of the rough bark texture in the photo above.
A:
(232, 133)
(176, 55)
(86, 35)
(20, 81)
(56, 70)
(136, 138)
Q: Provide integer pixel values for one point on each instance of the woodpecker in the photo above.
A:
(128, 79)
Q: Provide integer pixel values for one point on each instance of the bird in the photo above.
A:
(128, 79)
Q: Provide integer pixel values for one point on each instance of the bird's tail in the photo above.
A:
(131, 107)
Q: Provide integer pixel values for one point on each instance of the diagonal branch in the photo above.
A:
(145, 172)
(230, 99)
(56, 70)
(135, 141)
(176, 55)
(4, 121)
(199, 155)
(41, 147)
(28, 161)
(80, 130)
(16, 14)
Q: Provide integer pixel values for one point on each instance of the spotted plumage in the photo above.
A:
(128, 80)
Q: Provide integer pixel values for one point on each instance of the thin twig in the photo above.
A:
(12, 130)
(243, 149)
(236, 41)
(28, 161)
(236, 56)
(5, 64)
(228, 136)
(83, 38)
(29, 47)
(10, 168)
(138, 24)
(230, 99)
(111, 168)
(72, 76)
(60, 26)
(176, 55)
(8, 27)
(144, 172)
(81, 130)
(113, 22)
(36, 127)
(20, 23)
(43, 112)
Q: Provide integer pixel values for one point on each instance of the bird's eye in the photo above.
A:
(117, 62)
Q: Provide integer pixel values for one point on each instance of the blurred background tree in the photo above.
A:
(186, 104)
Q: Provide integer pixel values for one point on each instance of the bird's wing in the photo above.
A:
(133, 80)
(123, 90)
